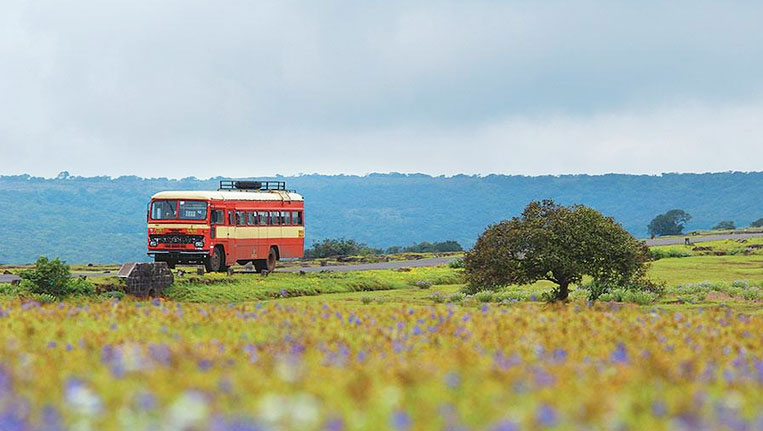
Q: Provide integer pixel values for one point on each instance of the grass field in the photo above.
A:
(391, 350)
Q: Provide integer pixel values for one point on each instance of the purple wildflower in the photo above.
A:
(546, 416)
(620, 355)
(506, 426)
(51, 420)
(145, 401)
(401, 421)
(205, 364)
(334, 424)
(659, 409)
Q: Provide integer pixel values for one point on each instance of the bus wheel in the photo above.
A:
(271, 263)
(215, 262)
(260, 265)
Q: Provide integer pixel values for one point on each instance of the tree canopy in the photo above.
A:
(670, 223)
(757, 223)
(724, 225)
(556, 243)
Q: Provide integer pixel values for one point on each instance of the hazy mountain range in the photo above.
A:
(102, 219)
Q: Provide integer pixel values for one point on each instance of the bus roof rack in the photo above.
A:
(253, 186)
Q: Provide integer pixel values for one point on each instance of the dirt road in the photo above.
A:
(703, 238)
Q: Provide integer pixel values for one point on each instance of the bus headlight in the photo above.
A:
(152, 243)
(199, 244)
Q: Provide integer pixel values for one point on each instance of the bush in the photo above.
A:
(423, 284)
(339, 247)
(484, 296)
(427, 247)
(437, 297)
(457, 297)
(641, 291)
(657, 253)
(456, 263)
(623, 295)
(53, 277)
(757, 223)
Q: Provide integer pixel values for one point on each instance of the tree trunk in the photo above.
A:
(564, 291)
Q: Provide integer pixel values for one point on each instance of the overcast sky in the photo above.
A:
(246, 88)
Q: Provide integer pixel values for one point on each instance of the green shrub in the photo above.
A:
(53, 277)
(623, 295)
(639, 291)
(658, 253)
(114, 294)
(366, 300)
(423, 284)
(456, 263)
(44, 298)
(437, 297)
(457, 297)
(484, 296)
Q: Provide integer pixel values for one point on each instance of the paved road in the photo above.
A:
(446, 260)
(703, 238)
(9, 278)
(369, 266)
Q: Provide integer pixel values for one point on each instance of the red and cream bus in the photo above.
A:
(244, 221)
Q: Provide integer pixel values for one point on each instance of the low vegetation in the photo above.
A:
(354, 366)
(216, 288)
(50, 280)
(350, 247)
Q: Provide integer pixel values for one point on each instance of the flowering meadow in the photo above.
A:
(299, 365)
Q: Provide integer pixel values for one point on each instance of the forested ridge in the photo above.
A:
(102, 219)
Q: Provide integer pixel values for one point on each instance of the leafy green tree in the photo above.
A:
(338, 247)
(670, 223)
(53, 277)
(724, 225)
(757, 223)
(427, 247)
(556, 243)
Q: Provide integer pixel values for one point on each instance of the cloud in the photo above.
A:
(149, 87)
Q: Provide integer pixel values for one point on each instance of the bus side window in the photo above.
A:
(274, 218)
(231, 219)
(217, 217)
(240, 218)
(285, 218)
(296, 218)
(251, 218)
(263, 218)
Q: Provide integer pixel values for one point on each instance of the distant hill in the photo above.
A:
(102, 219)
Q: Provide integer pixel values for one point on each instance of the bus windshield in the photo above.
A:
(182, 210)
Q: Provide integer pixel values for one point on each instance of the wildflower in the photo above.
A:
(81, 398)
(659, 409)
(204, 364)
(506, 426)
(145, 401)
(334, 424)
(620, 355)
(546, 416)
(400, 420)
(51, 420)
(453, 380)
(188, 410)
